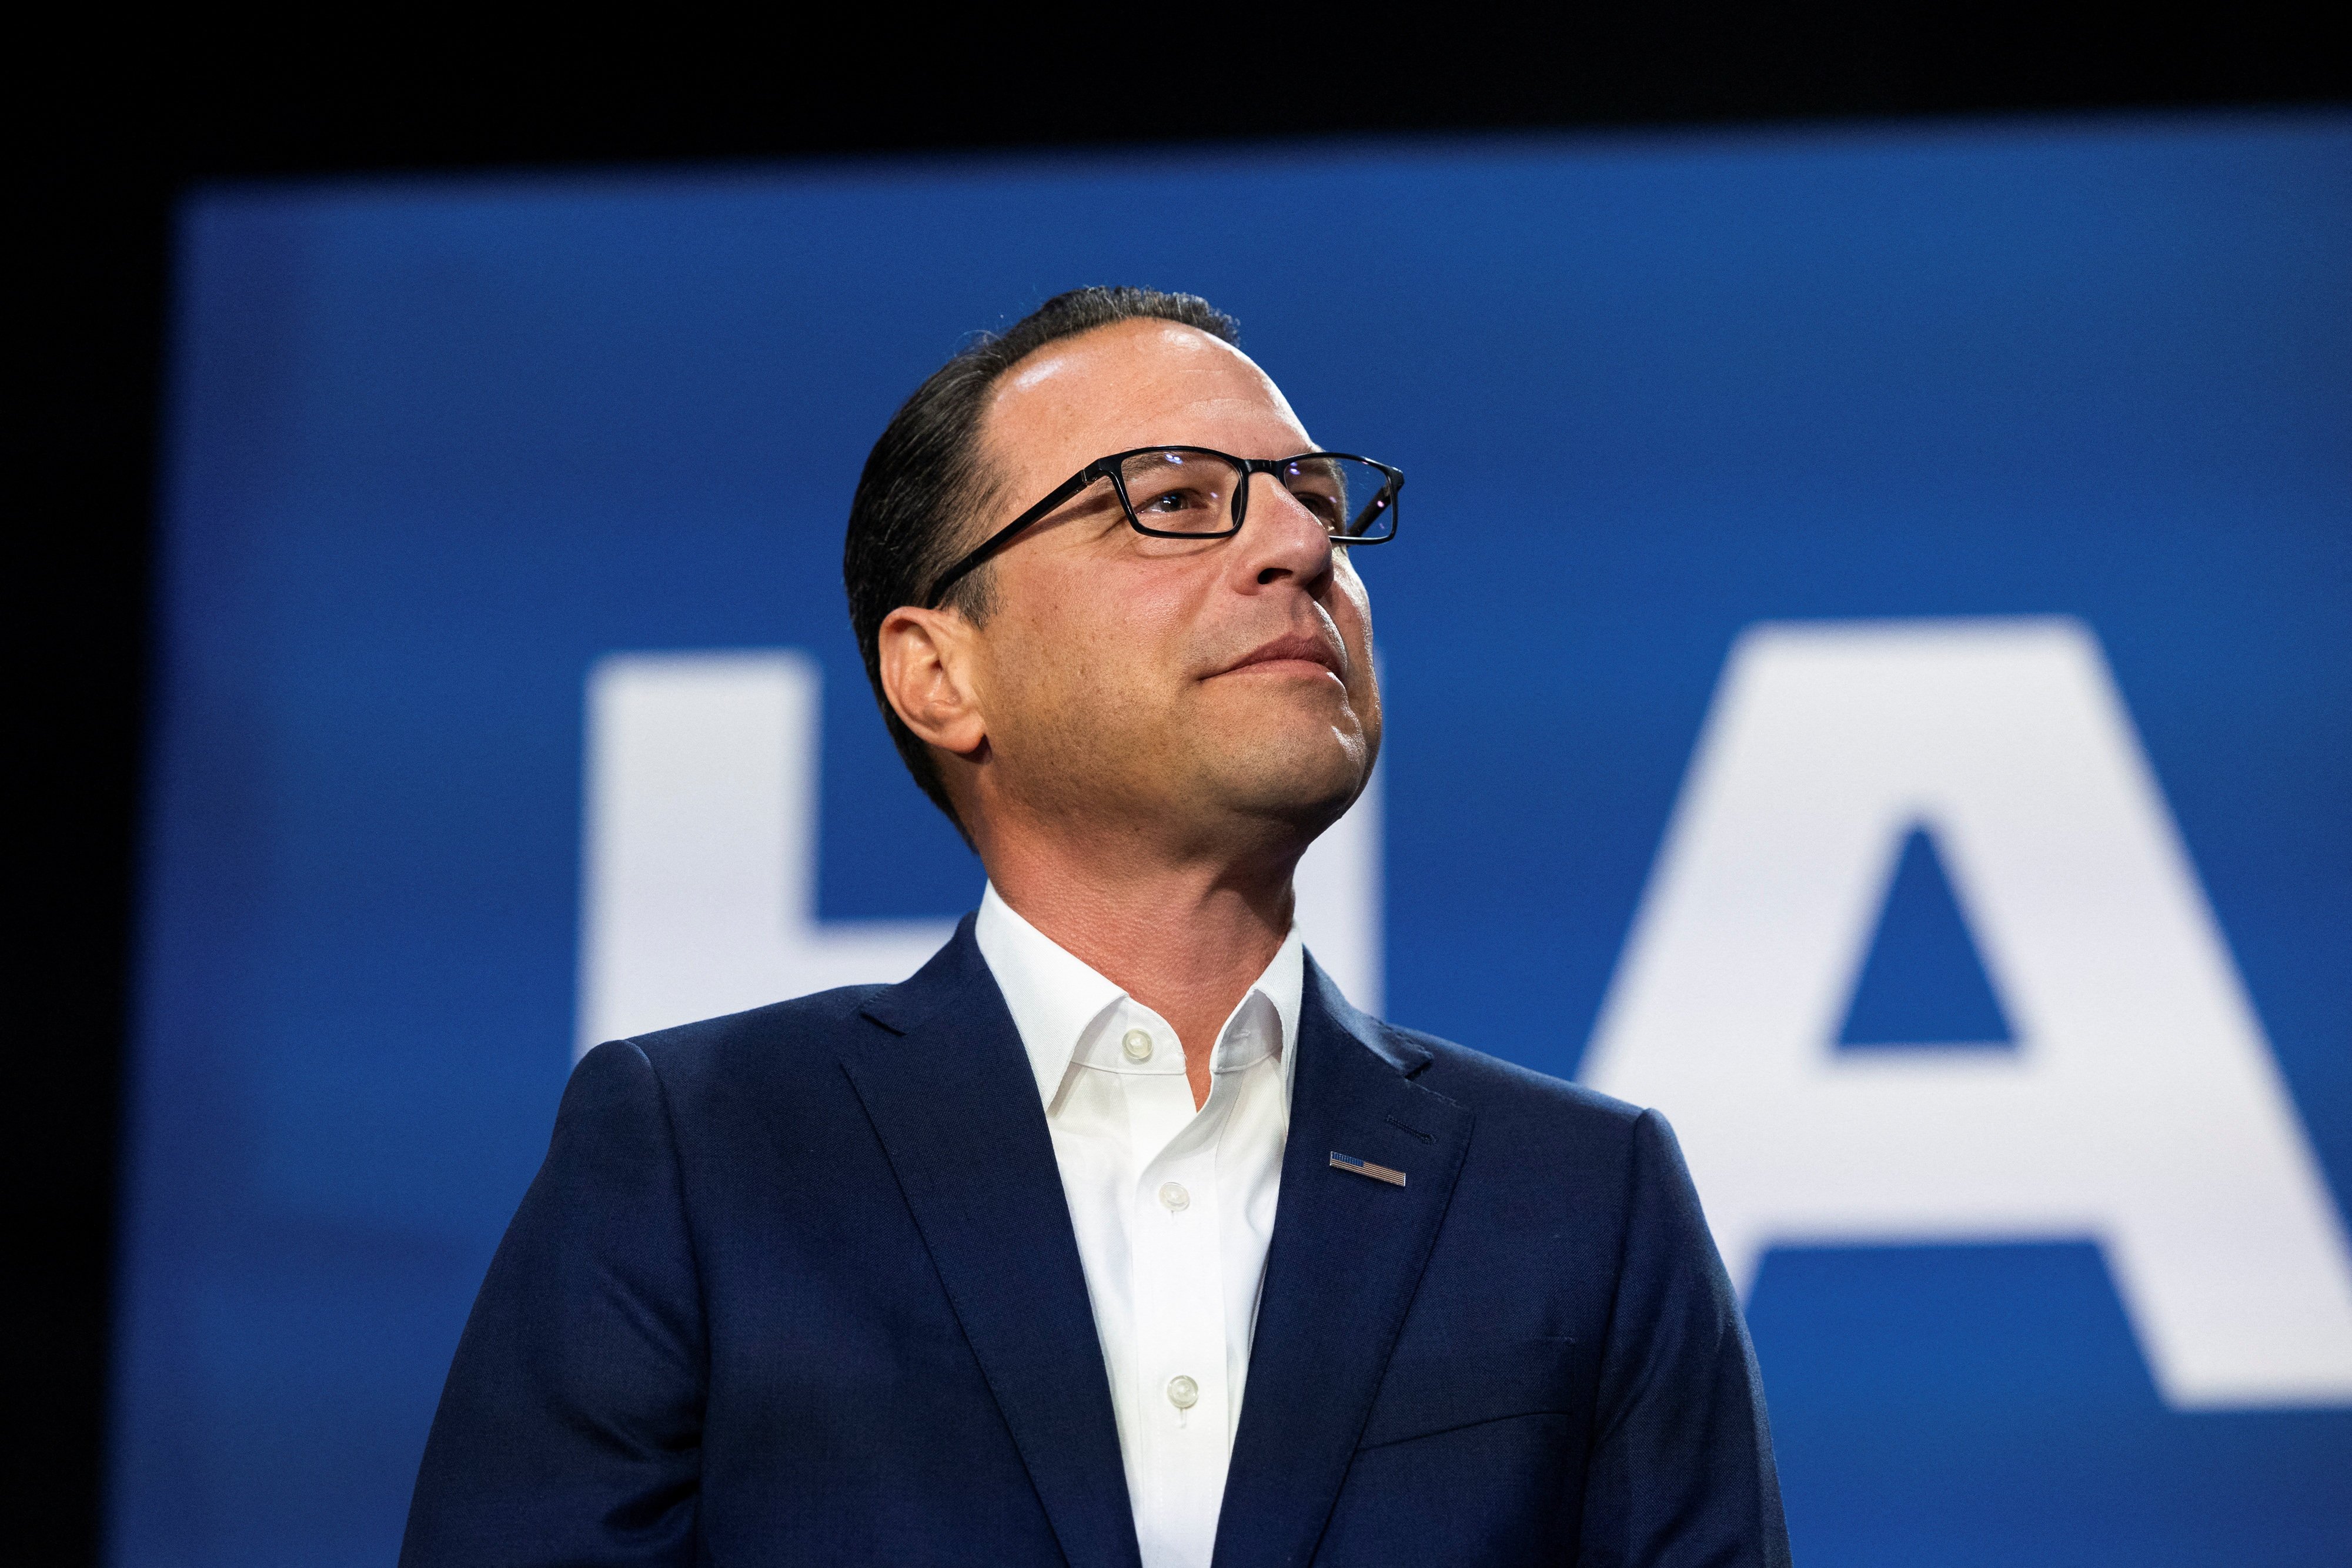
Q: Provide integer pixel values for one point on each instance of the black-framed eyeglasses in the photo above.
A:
(1198, 493)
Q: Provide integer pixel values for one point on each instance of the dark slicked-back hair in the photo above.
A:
(915, 510)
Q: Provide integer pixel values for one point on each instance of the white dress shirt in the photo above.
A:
(1172, 1206)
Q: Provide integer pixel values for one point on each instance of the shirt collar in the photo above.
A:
(1055, 998)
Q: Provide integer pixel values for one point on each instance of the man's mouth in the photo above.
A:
(1293, 648)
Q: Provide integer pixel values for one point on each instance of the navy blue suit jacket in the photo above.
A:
(799, 1286)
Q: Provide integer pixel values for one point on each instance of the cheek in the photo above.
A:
(1351, 610)
(1130, 618)
(1077, 653)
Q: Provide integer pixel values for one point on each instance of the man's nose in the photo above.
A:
(1280, 538)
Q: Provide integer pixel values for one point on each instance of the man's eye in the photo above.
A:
(1176, 501)
(1328, 509)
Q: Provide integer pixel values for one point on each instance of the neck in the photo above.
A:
(1185, 937)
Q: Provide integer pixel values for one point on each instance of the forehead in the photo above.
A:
(1135, 383)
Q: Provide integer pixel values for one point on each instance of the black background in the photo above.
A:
(115, 123)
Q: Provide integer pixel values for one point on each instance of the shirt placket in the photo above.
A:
(1178, 1283)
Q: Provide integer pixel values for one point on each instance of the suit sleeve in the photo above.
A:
(1681, 1474)
(570, 1430)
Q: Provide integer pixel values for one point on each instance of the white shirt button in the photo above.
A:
(1174, 1195)
(1183, 1393)
(1136, 1044)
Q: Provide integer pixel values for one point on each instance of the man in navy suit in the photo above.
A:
(1116, 1235)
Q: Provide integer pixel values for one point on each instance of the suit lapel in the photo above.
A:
(947, 1087)
(1344, 1260)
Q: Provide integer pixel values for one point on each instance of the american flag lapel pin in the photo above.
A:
(1365, 1167)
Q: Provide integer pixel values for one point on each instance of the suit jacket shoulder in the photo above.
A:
(1491, 1085)
(776, 1046)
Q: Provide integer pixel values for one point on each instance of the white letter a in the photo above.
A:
(2141, 1107)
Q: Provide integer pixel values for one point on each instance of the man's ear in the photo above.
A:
(927, 658)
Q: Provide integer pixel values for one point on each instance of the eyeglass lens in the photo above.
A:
(1179, 492)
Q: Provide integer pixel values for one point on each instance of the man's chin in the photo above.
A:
(1273, 698)
(1306, 781)
(1291, 749)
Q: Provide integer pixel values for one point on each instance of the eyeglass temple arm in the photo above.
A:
(1394, 487)
(997, 540)
(1392, 481)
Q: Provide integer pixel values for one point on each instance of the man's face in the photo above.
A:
(1188, 689)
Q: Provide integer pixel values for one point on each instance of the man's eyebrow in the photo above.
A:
(1321, 463)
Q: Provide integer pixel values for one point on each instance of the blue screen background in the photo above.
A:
(436, 445)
